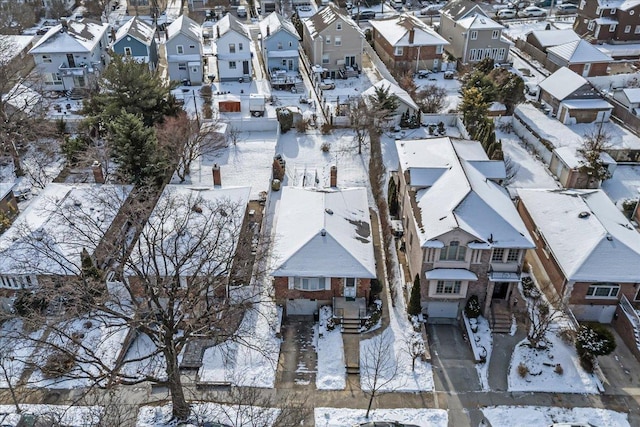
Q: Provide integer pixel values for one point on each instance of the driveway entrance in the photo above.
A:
(297, 366)
(454, 367)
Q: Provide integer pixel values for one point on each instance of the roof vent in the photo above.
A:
(609, 237)
(329, 211)
(323, 232)
(584, 214)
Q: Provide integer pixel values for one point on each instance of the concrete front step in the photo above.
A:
(353, 370)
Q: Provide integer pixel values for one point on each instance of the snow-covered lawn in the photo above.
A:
(452, 86)
(60, 415)
(17, 345)
(236, 415)
(525, 416)
(342, 417)
(483, 339)
(519, 30)
(624, 184)
(332, 372)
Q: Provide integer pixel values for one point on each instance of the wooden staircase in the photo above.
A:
(500, 319)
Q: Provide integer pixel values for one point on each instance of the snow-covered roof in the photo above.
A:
(450, 274)
(459, 196)
(185, 229)
(587, 104)
(325, 17)
(479, 22)
(11, 46)
(185, 25)
(137, 29)
(579, 52)
(323, 233)
(458, 9)
(230, 23)
(23, 98)
(273, 23)
(632, 94)
(394, 89)
(619, 4)
(75, 37)
(5, 187)
(606, 21)
(396, 31)
(547, 38)
(572, 159)
(562, 83)
(49, 236)
(590, 239)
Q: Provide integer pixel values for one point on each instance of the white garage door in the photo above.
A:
(301, 307)
(442, 309)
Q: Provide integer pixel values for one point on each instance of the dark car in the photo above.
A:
(365, 15)
(543, 3)
(384, 424)
(423, 74)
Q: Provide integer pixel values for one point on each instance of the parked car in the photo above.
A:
(423, 74)
(532, 12)
(506, 14)
(518, 5)
(365, 15)
(242, 11)
(448, 75)
(327, 84)
(544, 3)
(305, 9)
(566, 9)
(431, 10)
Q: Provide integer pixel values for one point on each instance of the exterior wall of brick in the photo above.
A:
(283, 293)
(412, 58)
(625, 329)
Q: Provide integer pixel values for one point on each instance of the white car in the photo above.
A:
(506, 13)
(431, 10)
(242, 11)
(532, 12)
(327, 84)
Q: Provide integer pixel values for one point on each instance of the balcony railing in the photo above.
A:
(80, 71)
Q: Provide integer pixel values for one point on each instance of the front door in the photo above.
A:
(290, 64)
(71, 60)
(500, 290)
(585, 70)
(245, 67)
(349, 287)
(349, 61)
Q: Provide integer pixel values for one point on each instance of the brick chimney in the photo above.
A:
(217, 180)
(98, 175)
(412, 34)
(333, 181)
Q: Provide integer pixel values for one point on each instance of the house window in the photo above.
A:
(495, 34)
(613, 11)
(398, 51)
(501, 54)
(591, 25)
(232, 48)
(290, 44)
(46, 59)
(612, 28)
(476, 256)
(474, 35)
(430, 255)
(603, 290)
(325, 58)
(338, 41)
(453, 252)
(637, 297)
(582, 4)
(631, 12)
(192, 46)
(328, 40)
(309, 283)
(232, 65)
(182, 66)
(339, 26)
(127, 51)
(472, 54)
(240, 47)
(513, 255)
(53, 79)
(627, 28)
(180, 49)
(448, 287)
(498, 255)
(637, 30)
(439, 49)
(284, 62)
(279, 45)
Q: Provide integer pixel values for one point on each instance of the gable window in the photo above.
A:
(339, 26)
(498, 255)
(612, 28)
(448, 287)
(583, 3)
(439, 49)
(46, 59)
(338, 41)
(476, 256)
(309, 283)
(290, 44)
(474, 35)
(279, 45)
(513, 255)
(232, 65)
(127, 51)
(495, 34)
(453, 252)
(182, 66)
(613, 11)
(398, 51)
(232, 48)
(240, 47)
(192, 46)
(328, 40)
(627, 28)
(180, 49)
(603, 290)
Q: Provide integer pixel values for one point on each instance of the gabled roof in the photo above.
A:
(619, 4)
(456, 195)
(323, 233)
(12, 46)
(562, 83)
(479, 22)
(547, 38)
(394, 89)
(184, 25)
(75, 37)
(590, 239)
(396, 31)
(579, 52)
(137, 29)
(274, 22)
(326, 16)
(230, 23)
(632, 94)
(458, 9)
(48, 237)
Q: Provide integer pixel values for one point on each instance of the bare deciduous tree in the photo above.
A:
(361, 122)
(431, 98)
(594, 144)
(378, 367)
(511, 170)
(415, 347)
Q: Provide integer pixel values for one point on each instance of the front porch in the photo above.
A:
(349, 308)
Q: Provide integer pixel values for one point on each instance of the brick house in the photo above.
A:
(608, 21)
(580, 57)
(323, 249)
(585, 248)
(573, 99)
(463, 235)
(544, 39)
(406, 43)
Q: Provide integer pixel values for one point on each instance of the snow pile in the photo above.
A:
(504, 416)
(331, 373)
(483, 341)
(341, 417)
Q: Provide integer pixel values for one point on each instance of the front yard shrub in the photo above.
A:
(558, 369)
(529, 288)
(326, 128)
(472, 309)
(58, 364)
(206, 111)
(285, 118)
(415, 307)
(376, 314)
(376, 288)
(325, 147)
(523, 370)
(302, 125)
(593, 340)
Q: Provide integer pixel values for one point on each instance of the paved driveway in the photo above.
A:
(298, 361)
(453, 365)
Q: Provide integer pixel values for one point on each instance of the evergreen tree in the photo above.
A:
(384, 104)
(393, 197)
(130, 86)
(414, 307)
(474, 109)
(135, 150)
